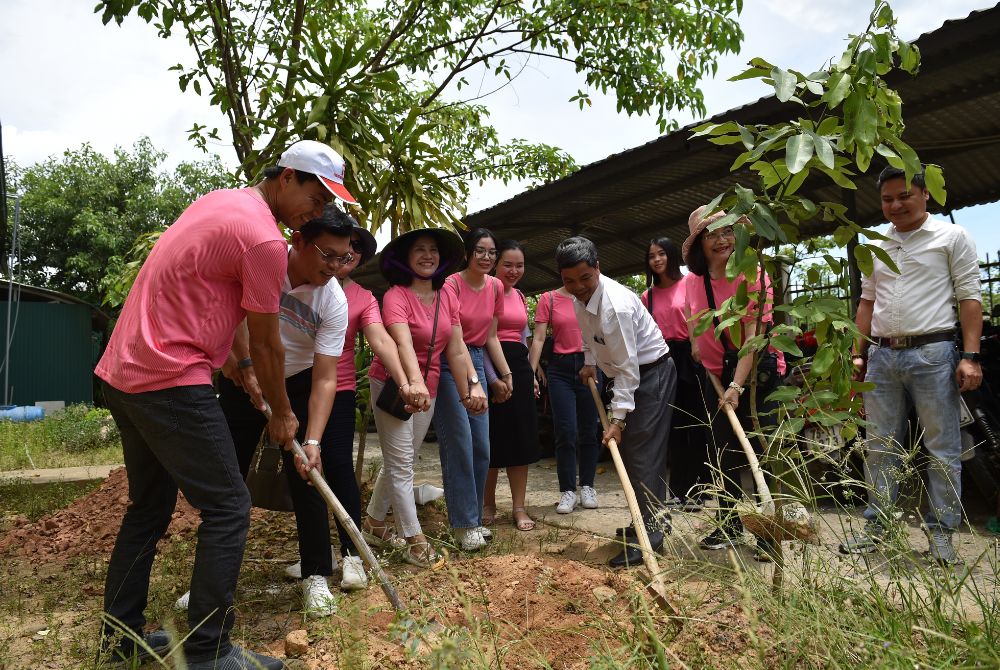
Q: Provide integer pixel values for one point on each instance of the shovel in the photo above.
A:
(348, 523)
(657, 588)
(767, 524)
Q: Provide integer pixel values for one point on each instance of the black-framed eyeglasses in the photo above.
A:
(336, 261)
(484, 253)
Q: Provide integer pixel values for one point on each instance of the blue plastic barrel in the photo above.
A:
(23, 413)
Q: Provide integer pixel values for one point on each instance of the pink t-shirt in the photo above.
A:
(722, 289)
(223, 257)
(511, 324)
(562, 318)
(668, 308)
(362, 311)
(477, 307)
(401, 305)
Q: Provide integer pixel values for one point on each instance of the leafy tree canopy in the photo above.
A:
(396, 86)
(81, 212)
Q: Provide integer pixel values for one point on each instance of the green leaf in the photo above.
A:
(838, 87)
(784, 84)
(798, 151)
(883, 256)
(824, 150)
(823, 360)
(863, 256)
(785, 343)
(934, 178)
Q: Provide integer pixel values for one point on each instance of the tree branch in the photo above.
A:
(400, 28)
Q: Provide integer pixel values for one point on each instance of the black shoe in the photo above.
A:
(631, 556)
(721, 538)
(240, 659)
(129, 654)
(625, 531)
(765, 551)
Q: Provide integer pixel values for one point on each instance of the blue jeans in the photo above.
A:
(575, 416)
(464, 446)
(924, 377)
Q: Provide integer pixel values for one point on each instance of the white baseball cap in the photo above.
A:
(320, 160)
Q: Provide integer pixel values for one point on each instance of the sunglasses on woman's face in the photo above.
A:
(357, 246)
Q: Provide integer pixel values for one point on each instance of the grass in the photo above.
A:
(37, 500)
(77, 436)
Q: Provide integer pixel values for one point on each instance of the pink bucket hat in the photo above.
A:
(697, 223)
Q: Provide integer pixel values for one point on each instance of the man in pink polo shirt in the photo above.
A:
(221, 262)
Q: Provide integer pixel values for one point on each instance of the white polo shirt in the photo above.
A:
(312, 319)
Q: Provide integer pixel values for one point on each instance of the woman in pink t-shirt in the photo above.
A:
(424, 322)
(574, 416)
(666, 300)
(513, 417)
(706, 254)
(463, 437)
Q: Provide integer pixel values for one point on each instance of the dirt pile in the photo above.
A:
(88, 526)
(516, 610)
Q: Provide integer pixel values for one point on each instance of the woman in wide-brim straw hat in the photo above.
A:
(706, 254)
(416, 264)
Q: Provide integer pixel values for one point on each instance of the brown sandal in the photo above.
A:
(525, 523)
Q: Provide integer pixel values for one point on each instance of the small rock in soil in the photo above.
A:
(604, 593)
(296, 643)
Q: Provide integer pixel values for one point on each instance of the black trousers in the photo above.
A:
(725, 450)
(688, 455)
(336, 451)
(174, 439)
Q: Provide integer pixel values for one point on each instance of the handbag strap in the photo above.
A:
(649, 299)
(434, 330)
(726, 343)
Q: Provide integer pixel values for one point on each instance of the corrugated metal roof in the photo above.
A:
(952, 112)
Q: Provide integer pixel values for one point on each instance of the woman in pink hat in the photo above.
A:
(706, 253)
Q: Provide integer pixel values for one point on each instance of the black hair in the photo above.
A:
(275, 171)
(396, 271)
(696, 261)
(508, 245)
(332, 221)
(471, 239)
(575, 250)
(895, 173)
(673, 260)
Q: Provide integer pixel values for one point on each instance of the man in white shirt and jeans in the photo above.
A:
(621, 337)
(907, 321)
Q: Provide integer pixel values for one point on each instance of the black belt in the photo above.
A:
(913, 341)
(650, 366)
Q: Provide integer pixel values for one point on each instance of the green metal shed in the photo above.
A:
(51, 341)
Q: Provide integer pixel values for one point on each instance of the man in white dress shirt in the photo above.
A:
(621, 337)
(907, 321)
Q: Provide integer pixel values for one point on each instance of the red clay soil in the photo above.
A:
(88, 526)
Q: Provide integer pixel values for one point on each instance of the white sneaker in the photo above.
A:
(182, 603)
(353, 577)
(486, 533)
(317, 597)
(294, 571)
(470, 539)
(588, 497)
(567, 503)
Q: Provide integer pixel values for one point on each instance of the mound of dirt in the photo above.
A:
(523, 607)
(88, 526)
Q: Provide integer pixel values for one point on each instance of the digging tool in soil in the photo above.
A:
(789, 522)
(656, 587)
(348, 523)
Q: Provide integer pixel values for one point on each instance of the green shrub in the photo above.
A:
(80, 428)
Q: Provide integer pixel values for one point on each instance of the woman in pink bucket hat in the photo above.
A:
(706, 253)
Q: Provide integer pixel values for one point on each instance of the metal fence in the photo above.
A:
(989, 272)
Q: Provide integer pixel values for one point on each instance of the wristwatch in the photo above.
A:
(475, 379)
(617, 422)
(973, 356)
(309, 443)
(245, 363)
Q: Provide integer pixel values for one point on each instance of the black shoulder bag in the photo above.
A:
(550, 341)
(389, 400)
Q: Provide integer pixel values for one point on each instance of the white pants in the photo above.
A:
(400, 442)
